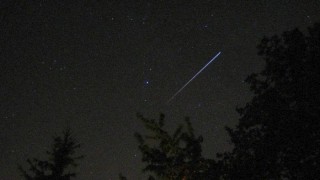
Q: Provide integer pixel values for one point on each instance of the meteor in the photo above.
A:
(194, 76)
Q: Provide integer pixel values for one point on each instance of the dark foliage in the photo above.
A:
(61, 159)
(121, 177)
(278, 133)
(176, 156)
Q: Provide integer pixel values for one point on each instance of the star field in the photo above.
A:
(94, 65)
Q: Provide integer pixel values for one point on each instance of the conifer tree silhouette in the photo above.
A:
(61, 159)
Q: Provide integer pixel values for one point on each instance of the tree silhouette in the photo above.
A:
(61, 159)
(278, 133)
(176, 156)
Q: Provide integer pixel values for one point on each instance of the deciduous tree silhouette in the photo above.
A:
(176, 156)
(278, 135)
(61, 159)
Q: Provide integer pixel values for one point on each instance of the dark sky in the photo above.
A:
(94, 64)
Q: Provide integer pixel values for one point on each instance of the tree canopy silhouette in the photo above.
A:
(176, 156)
(278, 133)
(61, 159)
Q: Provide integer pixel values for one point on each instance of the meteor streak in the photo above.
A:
(194, 76)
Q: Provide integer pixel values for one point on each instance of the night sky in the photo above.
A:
(94, 64)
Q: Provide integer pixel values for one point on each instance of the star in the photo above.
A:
(146, 82)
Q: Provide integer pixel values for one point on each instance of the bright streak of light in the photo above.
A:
(194, 76)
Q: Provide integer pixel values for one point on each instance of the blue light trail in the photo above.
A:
(194, 76)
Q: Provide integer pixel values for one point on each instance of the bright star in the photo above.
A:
(146, 82)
